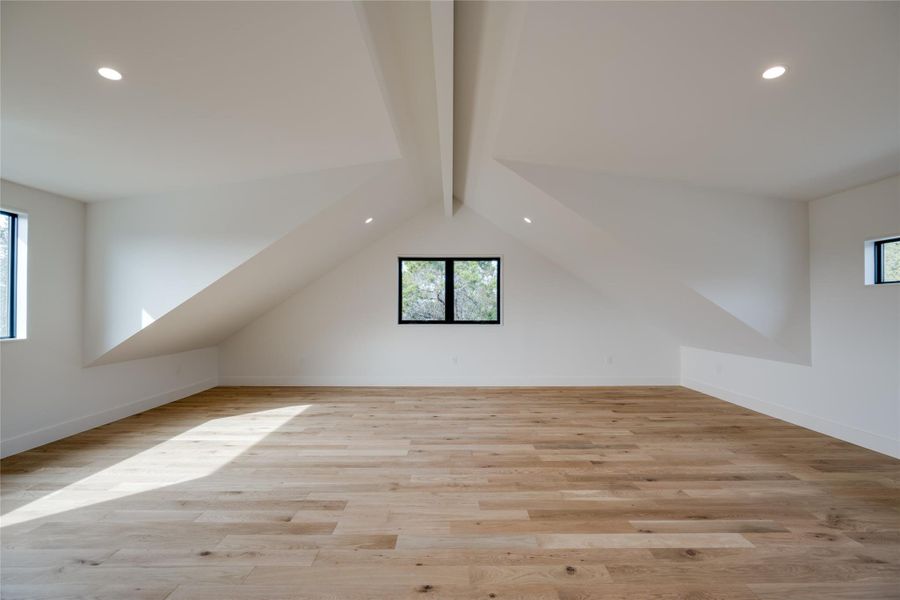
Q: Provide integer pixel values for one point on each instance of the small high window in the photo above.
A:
(460, 290)
(8, 245)
(887, 260)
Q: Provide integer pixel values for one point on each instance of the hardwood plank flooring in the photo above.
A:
(651, 493)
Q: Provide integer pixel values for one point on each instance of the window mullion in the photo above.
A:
(448, 291)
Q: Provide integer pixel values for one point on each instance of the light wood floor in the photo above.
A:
(346, 494)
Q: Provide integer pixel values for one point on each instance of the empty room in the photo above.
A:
(471, 300)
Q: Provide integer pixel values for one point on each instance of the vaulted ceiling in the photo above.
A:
(673, 91)
(212, 93)
(572, 109)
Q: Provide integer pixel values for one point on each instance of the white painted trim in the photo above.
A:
(389, 381)
(860, 437)
(51, 433)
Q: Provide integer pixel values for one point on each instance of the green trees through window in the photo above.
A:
(423, 288)
(475, 290)
(449, 290)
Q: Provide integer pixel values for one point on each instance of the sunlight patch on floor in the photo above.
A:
(212, 446)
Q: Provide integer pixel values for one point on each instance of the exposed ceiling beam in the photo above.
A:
(486, 37)
(411, 45)
(442, 14)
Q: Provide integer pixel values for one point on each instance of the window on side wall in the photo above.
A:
(12, 275)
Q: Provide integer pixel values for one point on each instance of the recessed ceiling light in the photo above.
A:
(774, 72)
(527, 220)
(369, 220)
(109, 73)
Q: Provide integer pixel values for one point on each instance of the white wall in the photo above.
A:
(342, 329)
(852, 389)
(280, 270)
(629, 270)
(45, 393)
(147, 255)
(745, 254)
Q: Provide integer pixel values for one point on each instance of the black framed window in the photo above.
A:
(887, 261)
(8, 237)
(449, 290)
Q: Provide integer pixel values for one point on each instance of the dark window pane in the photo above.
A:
(475, 290)
(890, 261)
(422, 290)
(5, 274)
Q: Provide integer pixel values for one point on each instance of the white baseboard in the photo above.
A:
(860, 437)
(51, 433)
(464, 381)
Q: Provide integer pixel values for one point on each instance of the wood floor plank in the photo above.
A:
(539, 574)
(642, 540)
(396, 592)
(658, 592)
(827, 591)
(92, 591)
(709, 526)
(637, 493)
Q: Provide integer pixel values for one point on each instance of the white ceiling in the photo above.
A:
(213, 92)
(235, 91)
(673, 91)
